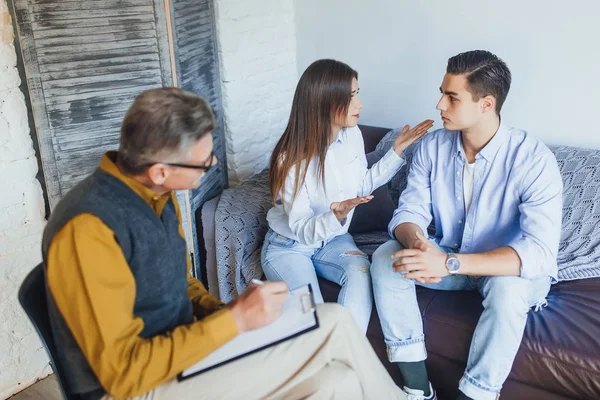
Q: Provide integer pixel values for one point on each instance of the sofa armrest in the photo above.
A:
(240, 228)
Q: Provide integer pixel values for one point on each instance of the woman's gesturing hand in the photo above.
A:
(408, 135)
(341, 209)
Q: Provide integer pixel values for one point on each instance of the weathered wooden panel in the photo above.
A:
(48, 33)
(122, 21)
(85, 62)
(197, 66)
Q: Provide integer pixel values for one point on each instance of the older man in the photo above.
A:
(127, 317)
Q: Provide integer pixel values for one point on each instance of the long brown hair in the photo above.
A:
(323, 92)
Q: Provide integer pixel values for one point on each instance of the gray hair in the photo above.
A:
(162, 123)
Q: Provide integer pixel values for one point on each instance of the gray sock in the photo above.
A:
(415, 376)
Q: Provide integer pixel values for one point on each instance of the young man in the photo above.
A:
(126, 314)
(495, 195)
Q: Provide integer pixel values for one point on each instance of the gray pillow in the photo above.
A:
(398, 182)
(376, 214)
(579, 248)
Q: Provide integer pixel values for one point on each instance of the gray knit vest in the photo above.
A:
(155, 252)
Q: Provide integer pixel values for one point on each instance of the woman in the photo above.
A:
(318, 175)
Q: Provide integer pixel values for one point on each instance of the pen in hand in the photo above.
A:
(271, 285)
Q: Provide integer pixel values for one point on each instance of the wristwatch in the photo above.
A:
(452, 264)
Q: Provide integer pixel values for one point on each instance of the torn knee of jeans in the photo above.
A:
(354, 253)
(357, 253)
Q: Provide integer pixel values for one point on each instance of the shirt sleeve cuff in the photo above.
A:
(405, 217)
(331, 222)
(524, 252)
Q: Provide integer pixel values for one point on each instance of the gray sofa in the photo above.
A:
(560, 354)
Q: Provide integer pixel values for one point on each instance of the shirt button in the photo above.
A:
(460, 221)
(155, 198)
(457, 197)
(455, 244)
(457, 172)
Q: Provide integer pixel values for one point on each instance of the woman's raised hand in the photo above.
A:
(408, 135)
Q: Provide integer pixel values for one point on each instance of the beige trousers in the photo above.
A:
(334, 361)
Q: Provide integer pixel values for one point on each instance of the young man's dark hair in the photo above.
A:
(164, 120)
(486, 73)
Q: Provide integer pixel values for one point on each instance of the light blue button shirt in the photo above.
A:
(517, 197)
(308, 219)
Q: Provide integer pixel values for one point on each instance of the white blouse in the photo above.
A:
(309, 219)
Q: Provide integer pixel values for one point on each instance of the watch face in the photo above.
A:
(453, 264)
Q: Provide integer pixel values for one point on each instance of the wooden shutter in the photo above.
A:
(197, 71)
(85, 61)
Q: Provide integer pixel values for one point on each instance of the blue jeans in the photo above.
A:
(337, 260)
(497, 337)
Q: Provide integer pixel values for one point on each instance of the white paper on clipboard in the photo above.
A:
(298, 315)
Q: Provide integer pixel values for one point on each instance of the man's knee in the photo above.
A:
(382, 271)
(507, 294)
(333, 314)
(381, 264)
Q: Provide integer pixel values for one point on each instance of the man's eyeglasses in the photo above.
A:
(205, 168)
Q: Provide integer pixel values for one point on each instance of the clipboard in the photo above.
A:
(298, 316)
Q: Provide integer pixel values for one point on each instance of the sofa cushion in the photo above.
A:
(579, 248)
(372, 135)
(560, 351)
(376, 214)
(368, 242)
(398, 182)
(559, 357)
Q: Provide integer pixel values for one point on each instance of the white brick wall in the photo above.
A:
(257, 49)
(22, 357)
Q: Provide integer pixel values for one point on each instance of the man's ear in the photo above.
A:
(488, 104)
(158, 174)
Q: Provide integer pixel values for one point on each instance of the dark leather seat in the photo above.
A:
(559, 357)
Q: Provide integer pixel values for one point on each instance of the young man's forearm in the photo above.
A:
(503, 261)
(405, 233)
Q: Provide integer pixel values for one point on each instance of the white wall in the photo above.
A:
(257, 51)
(22, 357)
(400, 50)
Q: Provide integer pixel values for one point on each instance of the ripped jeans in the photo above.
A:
(497, 337)
(337, 260)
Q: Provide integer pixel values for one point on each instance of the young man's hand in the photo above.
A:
(341, 209)
(408, 136)
(424, 262)
(258, 305)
